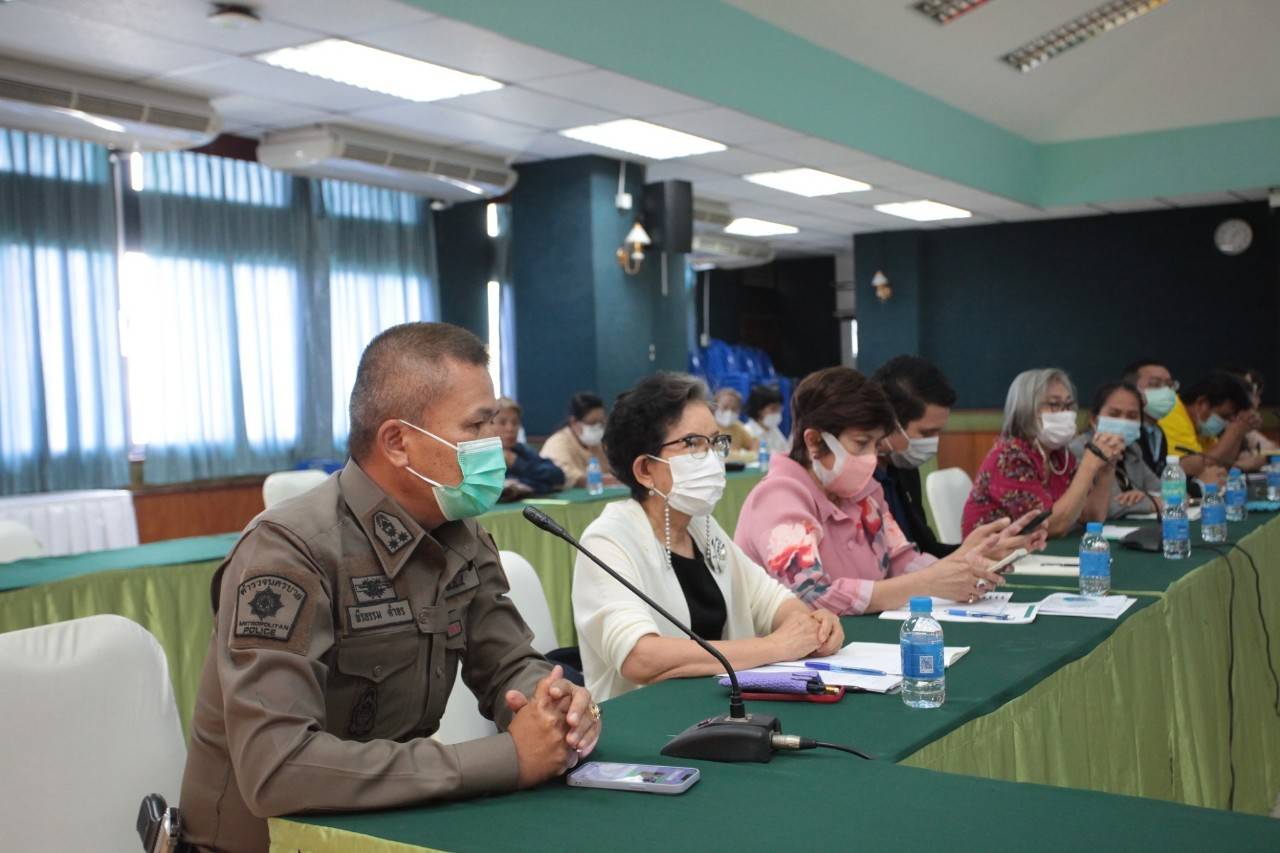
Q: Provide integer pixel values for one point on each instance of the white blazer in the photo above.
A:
(610, 620)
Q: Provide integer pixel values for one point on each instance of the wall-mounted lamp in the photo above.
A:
(631, 253)
(880, 282)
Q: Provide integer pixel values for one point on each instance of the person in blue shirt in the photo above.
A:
(527, 472)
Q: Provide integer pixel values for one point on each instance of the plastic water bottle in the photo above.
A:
(1273, 479)
(1095, 561)
(1237, 496)
(924, 679)
(1173, 482)
(595, 477)
(1176, 531)
(1213, 515)
(763, 457)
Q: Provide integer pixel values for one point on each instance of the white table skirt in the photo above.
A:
(75, 522)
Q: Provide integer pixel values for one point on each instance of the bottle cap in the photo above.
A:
(1234, 472)
(1093, 527)
(1172, 458)
(1174, 500)
(921, 604)
(1210, 488)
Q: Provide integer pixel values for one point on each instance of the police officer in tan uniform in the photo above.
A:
(342, 617)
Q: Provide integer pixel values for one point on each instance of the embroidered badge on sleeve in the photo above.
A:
(273, 610)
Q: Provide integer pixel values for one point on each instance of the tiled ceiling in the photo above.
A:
(168, 44)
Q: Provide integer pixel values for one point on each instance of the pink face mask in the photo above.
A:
(848, 474)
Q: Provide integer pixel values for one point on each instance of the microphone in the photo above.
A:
(736, 736)
(1144, 538)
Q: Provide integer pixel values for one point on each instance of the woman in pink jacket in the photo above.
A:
(819, 522)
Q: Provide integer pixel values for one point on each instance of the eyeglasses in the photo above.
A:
(1059, 405)
(1160, 382)
(700, 445)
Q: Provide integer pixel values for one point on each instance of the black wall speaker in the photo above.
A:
(668, 215)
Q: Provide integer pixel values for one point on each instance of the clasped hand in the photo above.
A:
(554, 729)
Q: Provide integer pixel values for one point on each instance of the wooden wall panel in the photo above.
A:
(965, 450)
(196, 509)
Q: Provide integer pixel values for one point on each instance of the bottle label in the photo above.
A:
(922, 660)
(1095, 564)
(1213, 514)
(1273, 479)
(1176, 529)
(1235, 497)
(1173, 490)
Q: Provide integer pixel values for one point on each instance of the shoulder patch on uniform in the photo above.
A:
(391, 531)
(272, 611)
(467, 578)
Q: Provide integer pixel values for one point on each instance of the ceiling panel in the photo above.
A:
(57, 38)
(808, 151)
(245, 112)
(535, 109)
(184, 21)
(343, 17)
(680, 169)
(247, 76)
(727, 126)
(553, 146)
(1132, 206)
(1201, 199)
(462, 46)
(615, 92)
(443, 122)
(738, 162)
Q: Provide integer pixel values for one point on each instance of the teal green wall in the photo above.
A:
(464, 258)
(581, 323)
(711, 50)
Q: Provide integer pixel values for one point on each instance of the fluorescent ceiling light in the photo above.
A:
(745, 226)
(1101, 20)
(807, 182)
(923, 210)
(378, 70)
(643, 138)
(946, 11)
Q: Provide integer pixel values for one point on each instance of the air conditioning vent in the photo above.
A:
(351, 154)
(119, 115)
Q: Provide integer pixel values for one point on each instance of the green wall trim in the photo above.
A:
(728, 57)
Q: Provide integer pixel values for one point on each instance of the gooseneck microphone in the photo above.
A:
(737, 736)
(1144, 538)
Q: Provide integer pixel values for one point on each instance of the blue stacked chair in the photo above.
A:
(723, 365)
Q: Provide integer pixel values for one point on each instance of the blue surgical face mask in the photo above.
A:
(484, 471)
(1159, 401)
(1213, 425)
(1123, 427)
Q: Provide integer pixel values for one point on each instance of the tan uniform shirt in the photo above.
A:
(339, 628)
(564, 449)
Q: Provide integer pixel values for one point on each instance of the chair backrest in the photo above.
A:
(947, 491)
(90, 728)
(18, 542)
(530, 600)
(283, 485)
(461, 719)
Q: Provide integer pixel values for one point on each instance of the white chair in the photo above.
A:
(462, 719)
(283, 485)
(90, 728)
(947, 491)
(18, 542)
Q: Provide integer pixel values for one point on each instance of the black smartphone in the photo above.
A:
(1036, 522)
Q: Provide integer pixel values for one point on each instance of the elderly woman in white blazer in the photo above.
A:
(662, 442)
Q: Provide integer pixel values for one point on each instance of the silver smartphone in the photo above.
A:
(650, 778)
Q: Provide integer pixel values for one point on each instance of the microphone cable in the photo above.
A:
(1231, 667)
(794, 742)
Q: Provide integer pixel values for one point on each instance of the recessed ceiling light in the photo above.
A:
(745, 226)
(1101, 20)
(807, 182)
(233, 16)
(378, 70)
(923, 210)
(643, 138)
(946, 11)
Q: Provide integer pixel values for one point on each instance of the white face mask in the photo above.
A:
(918, 452)
(725, 418)
(696, 484)
(771, 421)
(1057, 429)
(592, 434)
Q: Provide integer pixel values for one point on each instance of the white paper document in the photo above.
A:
(993, 607)
(1116, 532)
(1097, 607)
(1045, 565)
(871, 659)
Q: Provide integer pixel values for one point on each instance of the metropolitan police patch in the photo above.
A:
(267, 606)
(390, 531)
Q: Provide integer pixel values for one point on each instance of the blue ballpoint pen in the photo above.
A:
(973, 614)
(830, 667)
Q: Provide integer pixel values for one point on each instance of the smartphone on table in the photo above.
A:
(649, 778)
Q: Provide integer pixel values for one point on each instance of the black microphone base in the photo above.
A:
(727, 739)
(1145, 539)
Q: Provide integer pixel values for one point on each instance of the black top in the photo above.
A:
(906, 483)
(707, 612)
